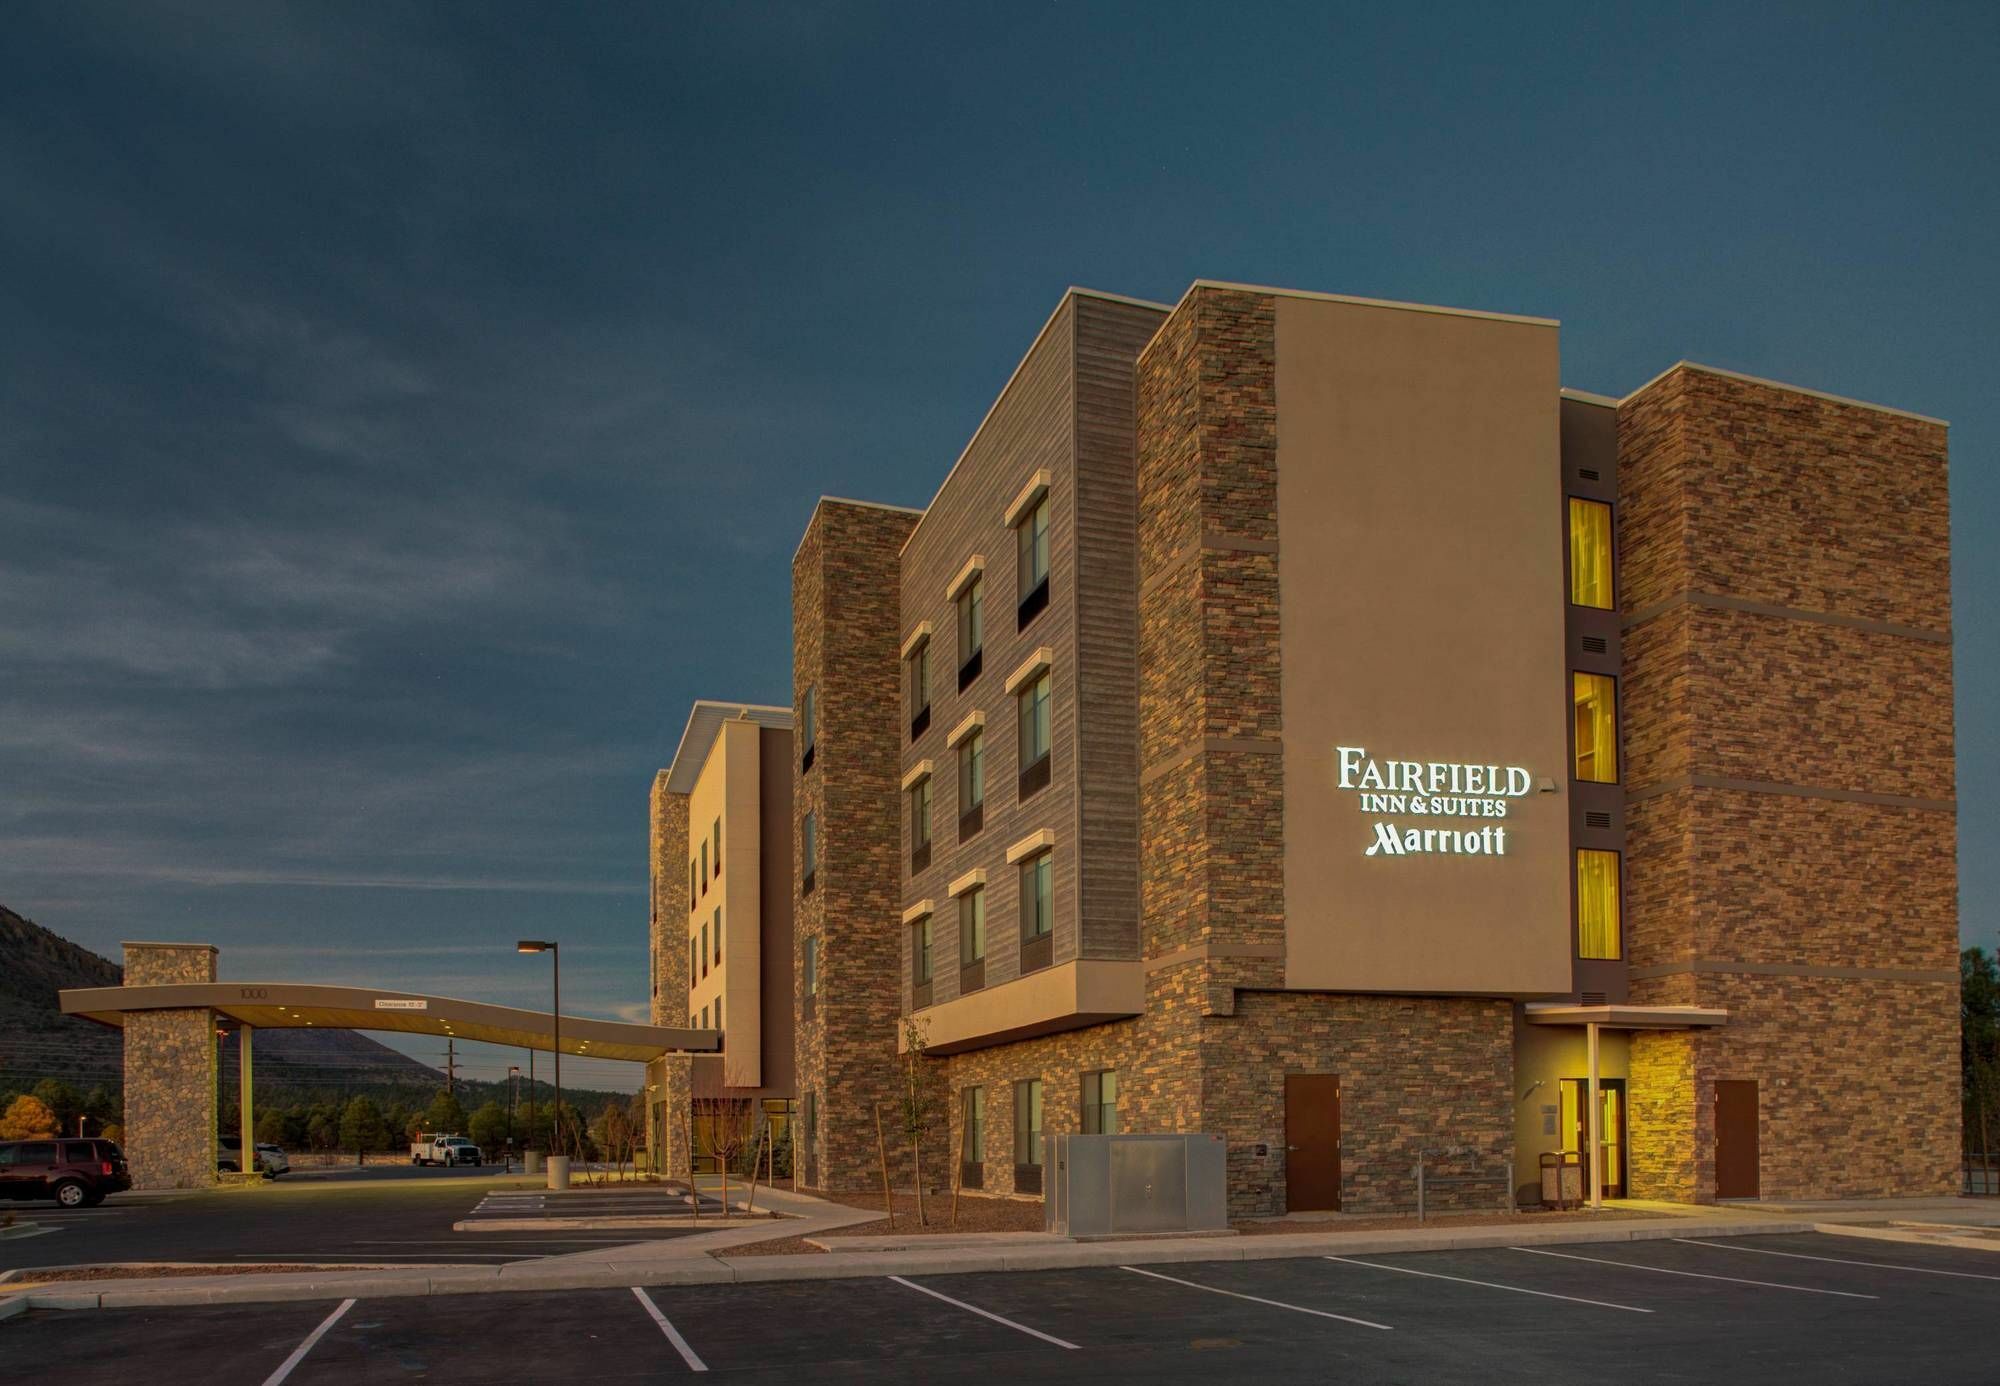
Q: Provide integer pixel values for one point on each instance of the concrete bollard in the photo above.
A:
(531, 1162)
(558, 1171)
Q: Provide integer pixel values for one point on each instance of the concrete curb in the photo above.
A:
(1913, 1236)
(611, 1273)
(12, 1307)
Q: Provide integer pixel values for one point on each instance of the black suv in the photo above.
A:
(75, 1173)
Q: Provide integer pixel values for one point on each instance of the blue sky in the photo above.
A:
(407, 411)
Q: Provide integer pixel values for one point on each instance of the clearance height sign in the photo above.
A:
(1457, 800)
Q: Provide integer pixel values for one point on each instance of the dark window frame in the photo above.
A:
(917, 681)
(970, 604)
(808, 727)
(1034, 775)
(1028, 1095)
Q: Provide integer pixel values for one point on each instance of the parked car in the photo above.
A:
(444, 1150)
(271, 1159)
(75, 1173)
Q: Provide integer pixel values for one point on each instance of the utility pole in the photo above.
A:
(450, 1065)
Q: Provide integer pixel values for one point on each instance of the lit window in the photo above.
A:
(1100, 1103)
(1038, 897)
(1597, 905)
(1028, 1122)
(1596, 698)
(972, 926)
(1590, 554)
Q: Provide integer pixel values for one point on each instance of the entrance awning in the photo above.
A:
(289, 1006)
(1627, 1017)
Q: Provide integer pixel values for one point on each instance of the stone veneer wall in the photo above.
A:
(670, 1076)
(170, 1073)
(1791, 834)
(845, 596)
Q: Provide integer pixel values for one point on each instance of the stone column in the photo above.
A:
(669, 1093)
(170, 1073)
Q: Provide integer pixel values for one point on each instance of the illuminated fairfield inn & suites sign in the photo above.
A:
(1433, 789)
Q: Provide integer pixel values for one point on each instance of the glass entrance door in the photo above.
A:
(1611, 1127)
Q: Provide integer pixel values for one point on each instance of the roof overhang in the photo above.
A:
(1627, 1017)
(289, 1006)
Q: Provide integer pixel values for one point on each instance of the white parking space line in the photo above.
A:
(1694, 1275)
(1258, 1299)
(984, 1314)
(310, 1256)
(1489, 1284)
(1838, 1260)
(673, 1334)
(312, 1338)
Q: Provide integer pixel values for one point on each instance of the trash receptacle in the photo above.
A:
(1562, 1179)
(531, 1162)
(558, 1171)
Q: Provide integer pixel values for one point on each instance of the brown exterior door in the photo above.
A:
(1312, 1141)
(1735, 1138)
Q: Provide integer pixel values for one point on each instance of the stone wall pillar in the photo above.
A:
(669, 1095)
(170, 1073)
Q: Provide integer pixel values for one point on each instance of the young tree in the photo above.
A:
(727, 1118)
(26, 1118)
(920, 1100)
(362, 1128)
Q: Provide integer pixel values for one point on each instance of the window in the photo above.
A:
(718, 1012)
(972, 1137)
(808, 851)
(920, 963)
(694, 887)
(809, 972)
(972, 784)
(1038, 898)
(972, 927)
(704, 868)
(718, 935)
(694, 963)
(919, 671)
(808, 729)
(704, 948)
(1590, 554)
(1028, 1134)
(1032, 546)
(1033, 701)
(1597, 905)
(920, 824)
(971, 631)
(718, 849)
(704, 1017)
(1596, 698)
(1100, 1103)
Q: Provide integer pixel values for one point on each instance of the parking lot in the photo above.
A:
(389, 1221)
(1749, 1309)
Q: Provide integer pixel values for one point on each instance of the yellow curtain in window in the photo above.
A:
(1596, 727)
(1590, 553)
(1597, 904)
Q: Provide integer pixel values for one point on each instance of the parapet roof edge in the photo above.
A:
(1072, 291)
(1586, 397)
(697, 741)
(1279, 292)
(1795, 389)
(847, 500)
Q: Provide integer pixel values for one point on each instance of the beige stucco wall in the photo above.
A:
(1421, 617)
(728, 789)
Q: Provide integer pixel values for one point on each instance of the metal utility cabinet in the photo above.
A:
(1101, 1186)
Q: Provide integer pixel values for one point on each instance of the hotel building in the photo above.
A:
(1300, 719)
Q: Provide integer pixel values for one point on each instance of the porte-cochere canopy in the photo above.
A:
(286, 1005)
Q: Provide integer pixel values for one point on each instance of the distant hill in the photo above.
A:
(37, 1041)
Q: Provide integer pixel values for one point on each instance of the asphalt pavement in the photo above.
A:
(402, 1218)
(1715, 1311)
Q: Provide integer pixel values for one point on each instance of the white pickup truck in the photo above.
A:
(444, 1150)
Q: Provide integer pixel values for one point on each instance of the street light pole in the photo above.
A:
(529, 945)
(513, 1097)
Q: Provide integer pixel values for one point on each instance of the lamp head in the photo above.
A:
(529, 945)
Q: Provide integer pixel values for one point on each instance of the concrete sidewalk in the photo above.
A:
(694, 1260)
